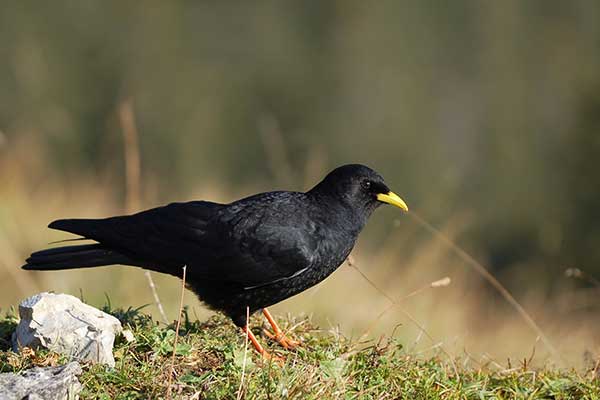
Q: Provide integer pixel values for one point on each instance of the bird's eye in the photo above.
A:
(366, 185)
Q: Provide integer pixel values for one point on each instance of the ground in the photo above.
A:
(212, 363)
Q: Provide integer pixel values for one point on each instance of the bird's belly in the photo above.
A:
(268, 295)
(233, 301)
(285, 288)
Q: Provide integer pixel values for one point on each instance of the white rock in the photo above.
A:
(62, 323)
(51, 383)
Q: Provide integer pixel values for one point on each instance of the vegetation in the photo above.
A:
(212, 362)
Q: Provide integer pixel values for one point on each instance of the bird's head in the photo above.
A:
(359, 187)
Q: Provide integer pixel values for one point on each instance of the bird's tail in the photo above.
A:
(67, 257)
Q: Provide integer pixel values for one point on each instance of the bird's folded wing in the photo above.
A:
(252, 252)
(272, 253)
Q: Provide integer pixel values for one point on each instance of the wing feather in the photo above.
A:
(249, 243)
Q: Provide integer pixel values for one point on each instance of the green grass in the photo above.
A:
(210, 365)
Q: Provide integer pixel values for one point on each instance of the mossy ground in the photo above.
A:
(210, 365)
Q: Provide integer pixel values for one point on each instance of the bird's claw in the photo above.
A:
(272, 357)
(283, 340)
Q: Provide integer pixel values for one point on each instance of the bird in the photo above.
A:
(240, 257)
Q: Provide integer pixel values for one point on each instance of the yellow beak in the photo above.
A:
(393, 199)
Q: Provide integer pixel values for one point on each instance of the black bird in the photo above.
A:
(251, 253)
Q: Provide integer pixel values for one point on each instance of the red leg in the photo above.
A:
(254, 341)
(259, 349)
(278, 334)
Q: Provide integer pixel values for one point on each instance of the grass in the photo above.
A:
(209, 364)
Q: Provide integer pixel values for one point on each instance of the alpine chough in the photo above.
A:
(251, 253)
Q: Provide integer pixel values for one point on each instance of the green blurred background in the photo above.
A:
(482, 115)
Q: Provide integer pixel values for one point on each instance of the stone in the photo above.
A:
(49, 383)
(64, 324)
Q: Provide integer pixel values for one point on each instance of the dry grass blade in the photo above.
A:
(436, 284)
(133, 178)
(395, 303)
(351, 263)
(132, 155)
(240, 393)
(172, 372)
(488, 277)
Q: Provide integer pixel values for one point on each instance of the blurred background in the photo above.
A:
(483, 116)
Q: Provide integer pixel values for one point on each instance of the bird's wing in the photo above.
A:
(272, 252)
(267, 238)
(249, 245)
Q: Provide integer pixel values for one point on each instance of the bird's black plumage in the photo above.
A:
(252, 253)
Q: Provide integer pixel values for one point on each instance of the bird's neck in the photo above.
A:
(338, 213)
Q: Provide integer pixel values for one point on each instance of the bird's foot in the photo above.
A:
(266, 356)
(278, 334)
(272, 357)
(283, 340)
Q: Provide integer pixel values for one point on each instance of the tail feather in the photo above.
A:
(82, 227)
(67, 257)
